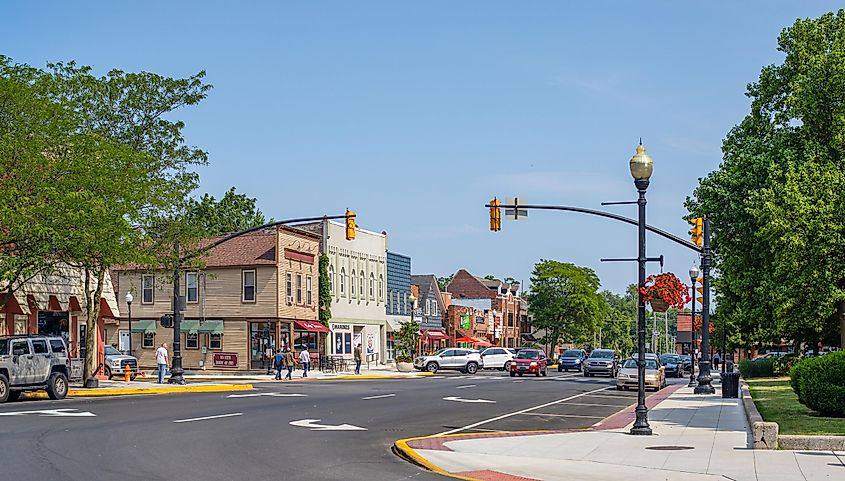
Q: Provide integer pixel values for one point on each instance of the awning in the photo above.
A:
(529, 337)
(147, 326)
(312, 326)
(435, 334)
(190, 326)
(211, 327)
(482, 343)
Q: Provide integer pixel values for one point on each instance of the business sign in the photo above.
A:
(371, 343)
(226, 360)
(341, 327)
(465, 322)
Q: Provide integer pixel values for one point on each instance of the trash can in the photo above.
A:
(730, 385)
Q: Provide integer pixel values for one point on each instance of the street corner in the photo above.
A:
(146, 390)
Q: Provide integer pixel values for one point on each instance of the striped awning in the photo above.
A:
(147, 326)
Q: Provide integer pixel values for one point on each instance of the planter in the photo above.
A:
(659, 305)
(403, 366)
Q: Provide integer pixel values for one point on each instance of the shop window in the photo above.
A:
(343, 282)
(248, 286)
(192, 341)
(148, 284)
(391, 346)
(331, 279)
(149, 340)
(191, 287)
(299, 289)
(308, 299)
(215, 341)
(343, 343)
(306, 339)
(289, 287)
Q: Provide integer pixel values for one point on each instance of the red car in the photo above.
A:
(529, 361)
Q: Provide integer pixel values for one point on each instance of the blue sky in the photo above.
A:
(414, 114)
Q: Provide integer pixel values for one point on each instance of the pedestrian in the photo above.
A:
(278, 361)
(305, 359)
(161, 360)
(716, 360)
(358, 358)
(289, 363)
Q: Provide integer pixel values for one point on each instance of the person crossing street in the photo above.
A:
(289, 363)
(305, 360)
(278, 364)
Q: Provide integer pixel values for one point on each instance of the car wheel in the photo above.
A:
(618, 388)
(513, 374)
(431, 367)
(57, 386)
(507, 366)
(472, 368)
(4, 389)
(107, 372)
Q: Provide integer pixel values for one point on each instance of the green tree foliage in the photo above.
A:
(619, 328)
(565, 302)
(325, 291)
(443, 282)
(406, 340)
(232, 213)
(776, 200)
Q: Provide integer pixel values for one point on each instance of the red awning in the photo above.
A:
(435, 334)
(481, 343)
(312, 326)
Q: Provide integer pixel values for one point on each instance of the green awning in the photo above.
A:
(190, 326)
(211, 327)
(147, 326)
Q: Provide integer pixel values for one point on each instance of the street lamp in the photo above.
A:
(693, 275)
(129, 300)
(641, 168)
(413, 301)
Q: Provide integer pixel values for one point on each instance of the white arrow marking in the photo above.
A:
(379, 397)
(204, 418)
(462, 400)
(271, 394)
(312, 425)
(464, 387)
(52, 413)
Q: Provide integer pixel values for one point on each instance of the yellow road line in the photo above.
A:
(96, 392)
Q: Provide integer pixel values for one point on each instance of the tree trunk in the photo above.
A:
(92, 299)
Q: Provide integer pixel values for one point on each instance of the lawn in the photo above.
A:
(777, 403)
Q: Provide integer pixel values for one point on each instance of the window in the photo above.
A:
(434, 307)
(510, 319)
(342, 281)
(390, 301)
(299, 288)
(288, 288)
(331, 279)
(391, 346)
(405, 296)
(20, 348)
(192, 341)
(306, 339)
(372, 285)
(148, 284)
(191, 287)
(308, 290)
(215, 341)
(149, 340)
(427, 307)
(361, 285)
(248, 286)
(352, 291)
(380, 287)
(39, 346)
(57, 345)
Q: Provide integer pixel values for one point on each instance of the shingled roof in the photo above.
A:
(248, 250)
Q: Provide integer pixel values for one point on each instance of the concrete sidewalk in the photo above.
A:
(695, 438)
(193, 376)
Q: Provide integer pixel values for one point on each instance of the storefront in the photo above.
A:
(344, 337)
(432, 340)
(310, 335)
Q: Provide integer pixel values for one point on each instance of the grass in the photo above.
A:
(777, 402)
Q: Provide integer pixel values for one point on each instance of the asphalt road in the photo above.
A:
(342, 430)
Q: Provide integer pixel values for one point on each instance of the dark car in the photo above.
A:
(601, 361)
(529, 361)
(673, 364)
(571, 359)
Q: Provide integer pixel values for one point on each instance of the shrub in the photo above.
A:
(796, 373)
(756, 368)
(783, 365)
(821, 384)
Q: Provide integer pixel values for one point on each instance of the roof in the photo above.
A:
(429, 288)
(246, 250)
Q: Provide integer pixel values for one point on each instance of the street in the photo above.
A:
(317, 430)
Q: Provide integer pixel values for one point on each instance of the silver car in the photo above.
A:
(452, 358)
(33, 363)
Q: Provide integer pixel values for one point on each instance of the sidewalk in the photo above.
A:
(252, 377)
(695, 438)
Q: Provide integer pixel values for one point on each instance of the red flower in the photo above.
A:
(668, 288)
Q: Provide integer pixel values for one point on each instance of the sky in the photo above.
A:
(415, 114)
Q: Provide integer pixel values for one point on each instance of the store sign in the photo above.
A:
(465, 322)
(225, 360)
(341, 327)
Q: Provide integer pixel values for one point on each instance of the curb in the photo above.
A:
(146, 390)
(342, 377)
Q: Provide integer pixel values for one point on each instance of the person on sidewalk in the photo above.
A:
(278, 364)
(716, 360)
(305, 359)
(358, 357)
(161, 360)
(289, 363)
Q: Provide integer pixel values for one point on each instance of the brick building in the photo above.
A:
(508, 311)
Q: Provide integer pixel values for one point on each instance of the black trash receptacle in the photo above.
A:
(730, 385)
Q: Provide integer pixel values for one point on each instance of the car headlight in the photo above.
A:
(533, 364)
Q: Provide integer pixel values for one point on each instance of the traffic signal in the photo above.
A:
(495, 215)
(697, 231)
(350, 225)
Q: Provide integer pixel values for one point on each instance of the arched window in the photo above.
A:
(361, 286)
(372, 286)
(331, 279)
(380, 287)
(342, 281)
(352, 285)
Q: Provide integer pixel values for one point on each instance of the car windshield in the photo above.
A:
(438, 352)
(666, 358)
(110, 351)
(602, 355)
(632, 364)
(572, 353)
(528, 355)
(4, 347)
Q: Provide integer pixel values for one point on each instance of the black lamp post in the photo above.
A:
(413, 301)
(641, 168)
(704, 379)
(176, 371)
(129, 300)
(693, 275)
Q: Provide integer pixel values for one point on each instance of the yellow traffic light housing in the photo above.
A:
(350, 225)
(697, 231)
(495, 215)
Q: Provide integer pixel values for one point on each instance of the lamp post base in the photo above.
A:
(641, 427)
(704, 379)
(177, 373)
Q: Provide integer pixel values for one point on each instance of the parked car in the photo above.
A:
(33, 363)
(601, 361)
(497, 358)
(673, 365)
(453, 358)
(115, 362)
(529, 361)
(571, 359)
(655, 375)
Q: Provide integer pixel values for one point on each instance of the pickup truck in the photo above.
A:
(33, 363)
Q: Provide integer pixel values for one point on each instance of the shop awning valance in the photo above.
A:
(211, 327)
(435, 334)
(147, 326)
(190, 326)
(312, 326)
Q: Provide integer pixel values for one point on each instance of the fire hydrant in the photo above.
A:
(127, 372)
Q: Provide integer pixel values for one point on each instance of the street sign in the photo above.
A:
(515, 214)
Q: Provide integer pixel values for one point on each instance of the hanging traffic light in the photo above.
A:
(697, 231)
(350, 225)
(495, 215)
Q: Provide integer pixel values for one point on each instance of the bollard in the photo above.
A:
(127, 373)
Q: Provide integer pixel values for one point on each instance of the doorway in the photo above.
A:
(262, 337)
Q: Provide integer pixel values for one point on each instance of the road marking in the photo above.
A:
(613, 396)
(379, 397)
(563, 415)
(51, 413)
(462, 400)
(518, 380)
(464, 387)
(270, 394)
(204, 418)
(522, 411)
(312, 425)
(599, 405)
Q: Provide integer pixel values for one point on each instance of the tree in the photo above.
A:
(775, 202)
(443, 282)
(565, 302)
(617, 330)
(325, 291)
(407, 340)
(232, 213)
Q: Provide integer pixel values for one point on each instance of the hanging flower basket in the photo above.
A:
(663, 291)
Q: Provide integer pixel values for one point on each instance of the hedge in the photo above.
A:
(821, 383)
(756, 368)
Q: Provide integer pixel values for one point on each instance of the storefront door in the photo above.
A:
(262, 344)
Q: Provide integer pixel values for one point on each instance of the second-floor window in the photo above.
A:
(148, 285)
(510, 319)
(299, 288)
(192, 287)
(352, 291)
(361, 286)
(380, 287)
(331, 279)
(289, 287)
(342, 281)
(372, 285)
(248, 286)
(308, 290)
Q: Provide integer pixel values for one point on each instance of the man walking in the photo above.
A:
(278, 359)
(161, 360)
(358, 358)
(305, 360)
(289, 363)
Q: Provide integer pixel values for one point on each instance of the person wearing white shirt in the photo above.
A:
(305, 360)
(161, 360)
